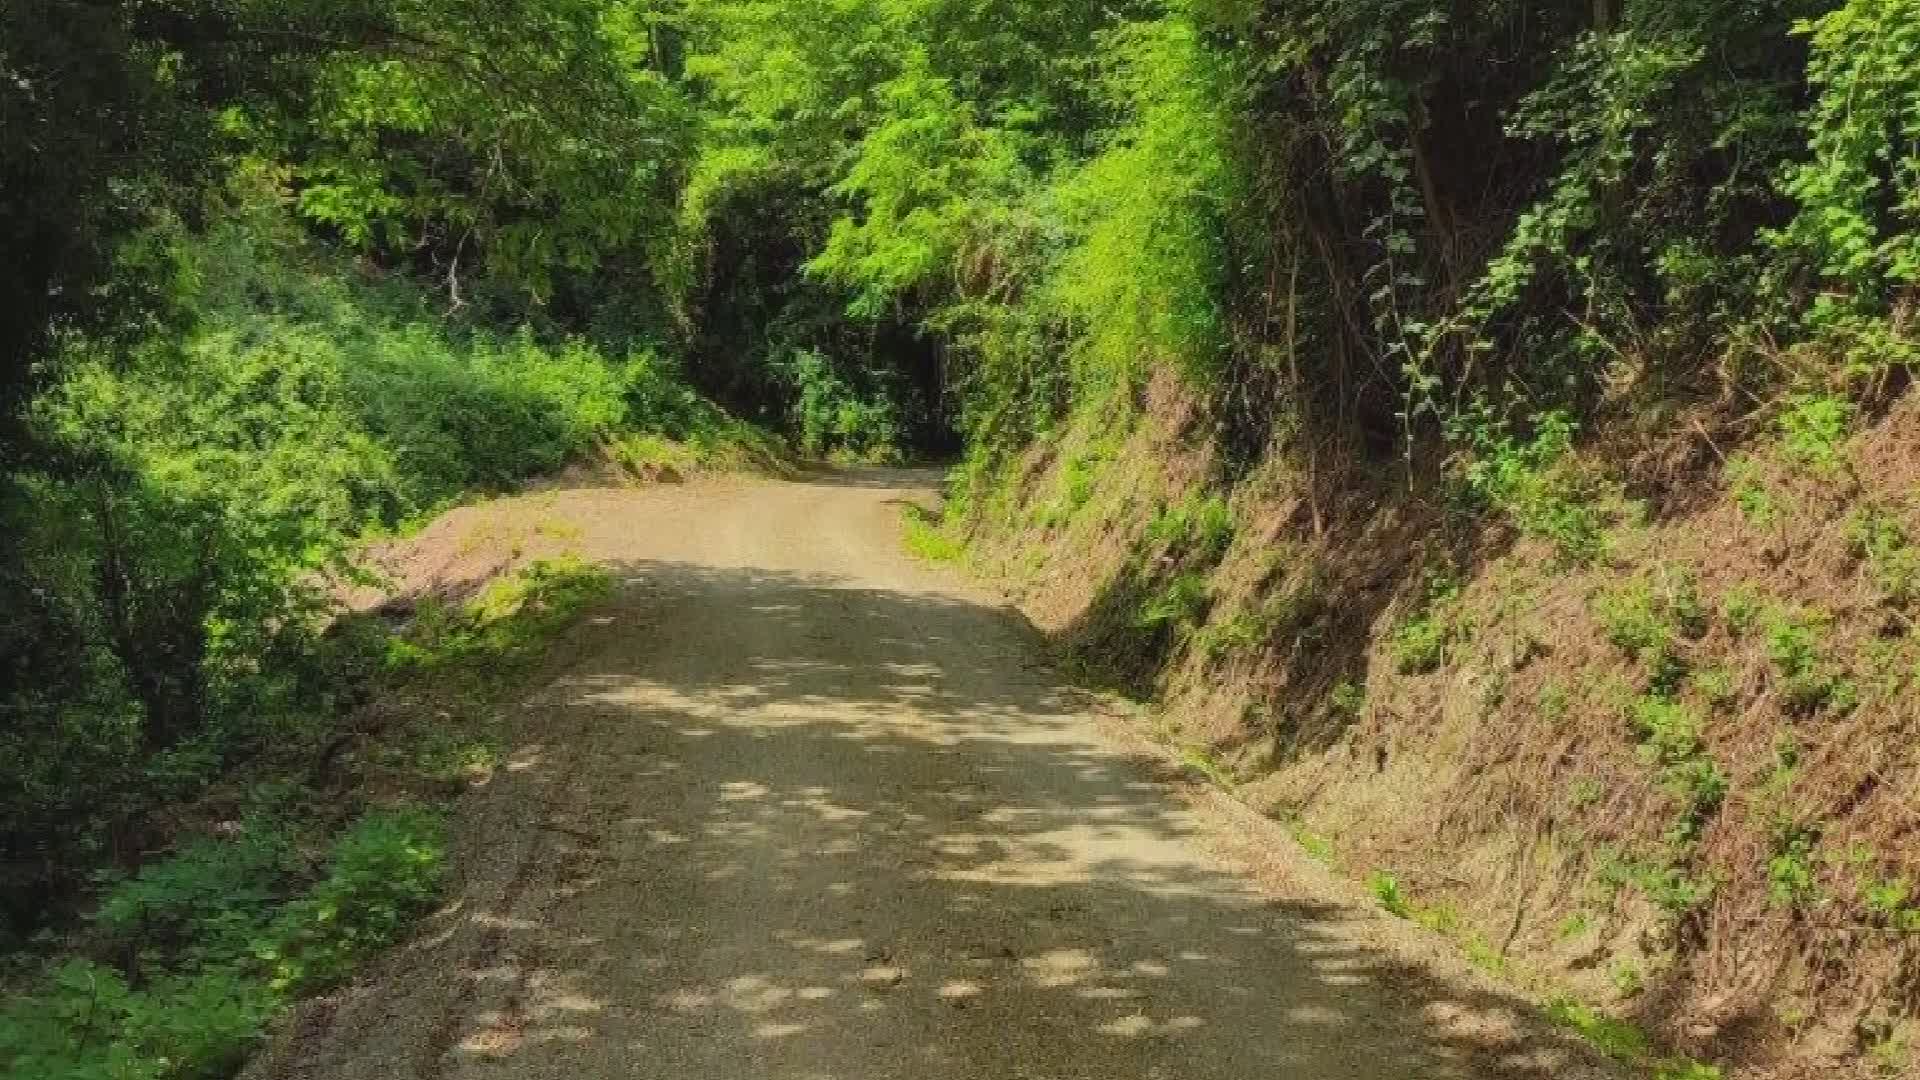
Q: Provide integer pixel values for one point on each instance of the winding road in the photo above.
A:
(798, 806)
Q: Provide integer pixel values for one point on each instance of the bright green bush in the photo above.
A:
(1813, 430)
(1807, 682)
(925, 535)
(1892, 561)
(1145, 273)
(1535, 481)
(1858, 207)
(1178, 605)
(1421, 642)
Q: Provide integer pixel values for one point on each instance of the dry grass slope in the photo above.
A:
(1678, 780)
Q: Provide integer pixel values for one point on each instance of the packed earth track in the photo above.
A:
(796, 806)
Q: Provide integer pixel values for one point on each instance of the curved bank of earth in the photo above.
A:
(798, 807)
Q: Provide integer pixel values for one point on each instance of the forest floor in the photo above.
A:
(794, 805)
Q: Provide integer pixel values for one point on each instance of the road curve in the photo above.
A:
(798, 807)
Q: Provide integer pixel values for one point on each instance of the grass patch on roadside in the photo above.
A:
(1625, 1042)
(925, 536)
(495, 637)
(1204, 763)
(1318, 848)
(1618, 1039)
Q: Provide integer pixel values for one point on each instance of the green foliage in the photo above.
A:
(1440, 918)
(1757, 502)
(1199, 529)
(384, 871)
(1891, 1053)
(1078, 477)
(1615, 1038)
(1624, 1041)
(205, 904)
(1685, 1069)
(1743, 606)
(1537, 482)
(1807, 682)
(531, 138)
(924, 173)
(1855, 193)
(1244, 195)
(1473, 235)
(1443, 919)
(1715, 684)
(495, 635)
(1481, 954)
(221, 950)
(1386, 889)
(1667, 884)
(1667, 729)
(1146, 271)
(1891, 901)
(1813, 430)
(1893, 563)
(1669, 734)
(1627, 978)
(1553, 702)
(1792, 637)
(111, 121)
(1420, 643)
(1179, 604)
(1585, 792)
(1201, 761)
(90, 1024)
(1348, 699)
(831, 416)
(1245, 631)
(1649, 618)
(1790, 870)
(925, 536)
(215, 481)
(1318, 848)
(1077, 481)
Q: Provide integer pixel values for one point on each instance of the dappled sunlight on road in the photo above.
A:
(807, 827)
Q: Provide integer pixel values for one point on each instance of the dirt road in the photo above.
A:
(799, 807)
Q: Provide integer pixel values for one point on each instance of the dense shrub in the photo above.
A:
(224, 935)
(170, 571)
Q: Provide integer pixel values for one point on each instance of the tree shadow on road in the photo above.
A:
(770, 826)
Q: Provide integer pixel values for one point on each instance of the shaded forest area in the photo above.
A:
(1375, 291)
